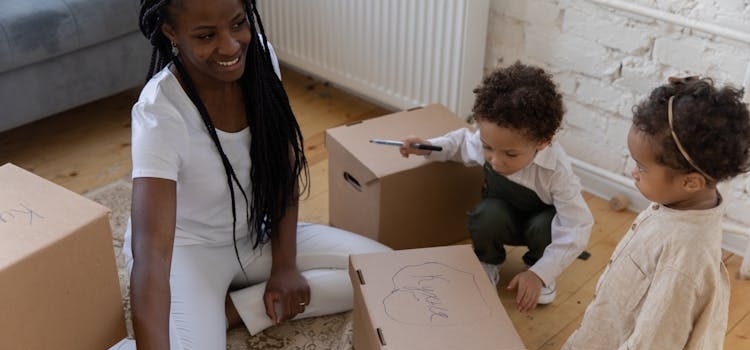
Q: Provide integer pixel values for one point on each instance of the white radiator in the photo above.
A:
(400, 53)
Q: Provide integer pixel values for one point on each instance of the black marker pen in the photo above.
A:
(413, 145)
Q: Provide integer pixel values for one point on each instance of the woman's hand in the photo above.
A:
(287, 293)
(529, 287)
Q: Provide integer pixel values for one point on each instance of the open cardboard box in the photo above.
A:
(429, 298)
(59, 287)
(401, 202)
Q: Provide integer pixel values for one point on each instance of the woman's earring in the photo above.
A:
(175, 50)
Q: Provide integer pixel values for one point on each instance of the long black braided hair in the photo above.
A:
(276, 146)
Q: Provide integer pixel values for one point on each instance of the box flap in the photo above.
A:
(35, 213)
(431, 298)
(428, 122)
(355, 174)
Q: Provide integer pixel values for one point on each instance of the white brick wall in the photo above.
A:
(605, 60)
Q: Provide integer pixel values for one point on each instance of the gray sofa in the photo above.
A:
(58, 54)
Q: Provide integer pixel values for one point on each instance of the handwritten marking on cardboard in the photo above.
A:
(20, 214)
(435, 294)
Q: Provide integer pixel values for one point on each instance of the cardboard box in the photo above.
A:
(58, 277)
(401, 202)
(430, 298)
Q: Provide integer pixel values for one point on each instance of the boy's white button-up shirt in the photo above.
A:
(551, 177)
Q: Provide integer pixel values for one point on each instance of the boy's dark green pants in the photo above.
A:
(509, 214)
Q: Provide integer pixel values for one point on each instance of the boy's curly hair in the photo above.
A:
(713, 126)
(523, 98)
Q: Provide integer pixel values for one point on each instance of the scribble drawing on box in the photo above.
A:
(426, 294)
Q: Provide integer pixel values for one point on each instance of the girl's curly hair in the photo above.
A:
(523, 98)
(713, 126)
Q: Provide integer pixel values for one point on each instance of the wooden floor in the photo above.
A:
(89, 146)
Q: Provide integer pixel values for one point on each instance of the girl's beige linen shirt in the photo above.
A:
(665, 287)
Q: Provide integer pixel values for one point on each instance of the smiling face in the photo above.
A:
(507, 150)
(212, 36)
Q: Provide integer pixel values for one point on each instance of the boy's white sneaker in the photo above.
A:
(493, 272)
(547, 294)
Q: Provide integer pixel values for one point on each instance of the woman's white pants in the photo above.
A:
(201, 276)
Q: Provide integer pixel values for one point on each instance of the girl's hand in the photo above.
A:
(405, 150)
(287, 293)
(529, 287)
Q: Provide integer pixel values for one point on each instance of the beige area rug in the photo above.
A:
(327, 332)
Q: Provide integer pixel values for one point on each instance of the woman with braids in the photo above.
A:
(666, 286)
(213, 239)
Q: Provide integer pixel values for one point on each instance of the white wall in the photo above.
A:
(606, 59)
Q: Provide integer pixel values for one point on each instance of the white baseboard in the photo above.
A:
(733, 242)
(606, 184)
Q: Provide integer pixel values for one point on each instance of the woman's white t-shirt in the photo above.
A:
(170, 141)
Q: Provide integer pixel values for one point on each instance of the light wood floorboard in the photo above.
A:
(89, 146)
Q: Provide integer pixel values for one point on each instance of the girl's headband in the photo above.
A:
(679, 145)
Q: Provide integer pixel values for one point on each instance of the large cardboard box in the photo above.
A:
(430, 298)
(401, 202)
(58, 277)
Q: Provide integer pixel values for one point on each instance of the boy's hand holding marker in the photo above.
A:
(407, 147)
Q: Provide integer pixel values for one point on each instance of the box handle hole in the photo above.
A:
(352, 181)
